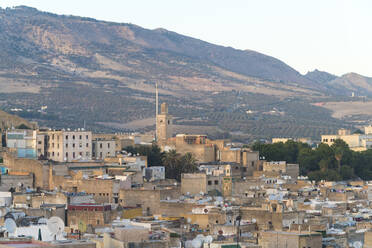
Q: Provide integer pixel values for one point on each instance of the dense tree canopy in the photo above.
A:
(336, 162)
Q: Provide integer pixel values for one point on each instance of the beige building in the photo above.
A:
(278, 239)
(368, 129)
(282, 168)
(197, 183)
(102, 148)
(67, 146)
(356, 142)
(163, 125)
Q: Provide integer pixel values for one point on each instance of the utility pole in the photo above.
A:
(156, 110)
(237, 221)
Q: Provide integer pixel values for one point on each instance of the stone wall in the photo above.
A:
(148, 199)
(29, 166)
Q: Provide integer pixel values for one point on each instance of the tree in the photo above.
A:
(188, 163)
(346, 172)
(153, 153)
(175, 164)
(171, 161)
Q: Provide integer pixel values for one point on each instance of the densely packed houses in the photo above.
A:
(74, 188)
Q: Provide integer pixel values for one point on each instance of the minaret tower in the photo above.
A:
(163, 125)
(156, 111)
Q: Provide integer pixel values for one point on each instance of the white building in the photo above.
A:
(67, 146)
(356, 142)
(103, 148)
(154, 173)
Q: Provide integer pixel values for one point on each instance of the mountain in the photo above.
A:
(103, 73)
(320, 77)
(353, 83)
(35, 42)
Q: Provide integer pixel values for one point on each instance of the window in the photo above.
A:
(100, 145)
(67, 137)
(87, 137)
(87, 154)
(216, 182)
(73, 137)
(53, 137)
(108, 145)
(80, 136)
(73, 154)
(80, 153)
(57, 154)
(209, 182)
(80, 145)
(66, 145)
(66, 154)
(245, 169)
(39, 142)
(58, 146)
(73, 145)
(252, 163)
(87, 145)
(97, 222)
(52, 145)
(100, 154)
(52, 154)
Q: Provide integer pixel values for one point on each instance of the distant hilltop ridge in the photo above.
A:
(31, 39)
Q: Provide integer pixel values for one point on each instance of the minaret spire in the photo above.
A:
(156, 110)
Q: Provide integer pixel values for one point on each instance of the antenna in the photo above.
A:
(156, 109)
(10, 225)
(55, 225)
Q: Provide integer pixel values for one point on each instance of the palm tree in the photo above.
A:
(339, 152)
(188, 163)
(171, 162)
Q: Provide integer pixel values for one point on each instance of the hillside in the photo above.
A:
(320, 77)
(8, 121)
(353, 83)
(103, 73)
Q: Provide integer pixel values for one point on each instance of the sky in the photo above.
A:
(329, 35)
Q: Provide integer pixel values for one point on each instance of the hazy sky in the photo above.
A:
(330, 35)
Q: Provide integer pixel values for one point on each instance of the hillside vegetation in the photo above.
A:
(103, 74)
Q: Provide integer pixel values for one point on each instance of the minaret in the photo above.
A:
(163, 126)
(156, 110)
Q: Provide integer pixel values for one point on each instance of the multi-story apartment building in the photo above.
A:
(102, 148)
(66, 146)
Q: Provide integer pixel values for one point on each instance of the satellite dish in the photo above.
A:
(357, 244)
(208, 239)
(10, 225)
(42, 221)
(254, 220)
(55, 225)
(188, 244)
(196, 243)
